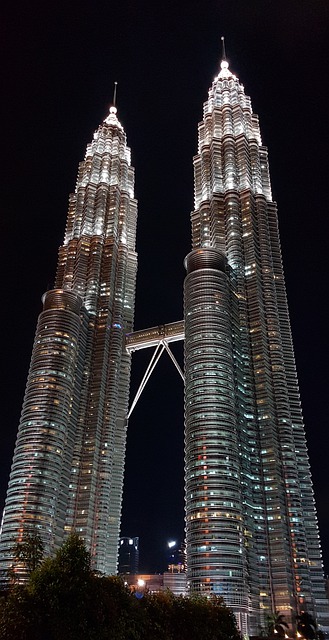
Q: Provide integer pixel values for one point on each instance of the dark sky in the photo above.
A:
(60, 61)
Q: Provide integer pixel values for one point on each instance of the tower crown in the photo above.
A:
(224, 66)
(224, 71)
(112, 118)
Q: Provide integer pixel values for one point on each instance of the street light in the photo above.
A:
(140, 588)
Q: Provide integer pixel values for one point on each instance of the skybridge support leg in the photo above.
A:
(161, 346)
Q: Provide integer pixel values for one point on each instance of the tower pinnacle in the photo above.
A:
(224, 63)
(223, 48)
(112, 117)
(115, 94)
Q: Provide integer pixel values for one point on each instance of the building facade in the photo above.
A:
(128, 556)
(67, 470)
(157, 582)
(251, 524)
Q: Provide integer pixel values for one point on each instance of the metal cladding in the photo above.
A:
(216, 562)
(67, 471)
(205, 259)
(38, 486)
(251, 524)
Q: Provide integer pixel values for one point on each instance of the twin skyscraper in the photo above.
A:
(251, 528)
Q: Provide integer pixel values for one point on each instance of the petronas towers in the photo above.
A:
(251, 528)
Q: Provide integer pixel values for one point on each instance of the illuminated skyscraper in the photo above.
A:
(67, 471)
(251, 528)
(251, 524)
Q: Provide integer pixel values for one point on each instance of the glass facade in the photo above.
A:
(251, 524)
(67, 471)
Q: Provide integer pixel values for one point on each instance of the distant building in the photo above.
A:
(153, 583)
(175, 581)
(128, 556)
(176, 557)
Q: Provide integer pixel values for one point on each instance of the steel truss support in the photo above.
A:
(157, 353)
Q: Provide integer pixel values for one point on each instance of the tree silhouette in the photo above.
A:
(276, 624)
(30, 550)
(63, 598)
(307, 626)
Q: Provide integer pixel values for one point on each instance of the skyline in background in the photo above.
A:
(61, 68)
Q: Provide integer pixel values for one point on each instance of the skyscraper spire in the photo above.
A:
(223, 49)
(115, 94)
(112, 117)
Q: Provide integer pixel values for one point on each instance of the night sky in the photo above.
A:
(60, 61)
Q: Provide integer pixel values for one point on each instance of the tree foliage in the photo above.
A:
(29, 551)
(307, 626)
(276, 624)
(65, 599)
